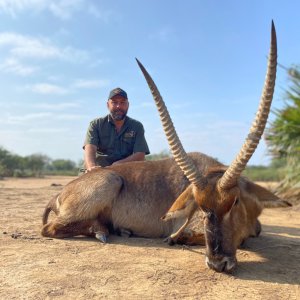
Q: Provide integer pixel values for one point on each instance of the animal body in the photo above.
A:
(133, 197)
(159, 198)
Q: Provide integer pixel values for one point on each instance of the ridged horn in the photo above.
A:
(231, 175)
(180, 156)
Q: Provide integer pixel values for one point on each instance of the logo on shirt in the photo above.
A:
(129, 134)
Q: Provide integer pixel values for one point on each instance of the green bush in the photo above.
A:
(160, 155)
(263, 173)
(283, 136)
(35, 165)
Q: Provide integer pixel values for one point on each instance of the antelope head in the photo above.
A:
(218, 193)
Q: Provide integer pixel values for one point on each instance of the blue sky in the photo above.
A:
(60, 58)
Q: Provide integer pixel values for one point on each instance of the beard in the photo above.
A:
(118, 114)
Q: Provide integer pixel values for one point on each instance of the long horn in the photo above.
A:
(180, 156)
(231, 175)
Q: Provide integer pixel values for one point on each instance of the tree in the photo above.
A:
(283, 136)
(9, 162)
(160, 155)
(36, 163)
(33, 165)
(63, 165)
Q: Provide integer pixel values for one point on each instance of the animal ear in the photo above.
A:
(181, 203)
(235, 202)
(266, 197)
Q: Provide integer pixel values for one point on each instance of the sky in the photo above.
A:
(60, 58)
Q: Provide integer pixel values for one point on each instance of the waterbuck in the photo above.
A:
(134, 198)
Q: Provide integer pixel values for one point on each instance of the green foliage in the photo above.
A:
(37, 165)
(160, 155)
(9, 162)
(63, 165)
(283, 137)
(34, 165)
(264, 173)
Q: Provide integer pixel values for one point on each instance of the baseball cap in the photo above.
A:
(117, 92)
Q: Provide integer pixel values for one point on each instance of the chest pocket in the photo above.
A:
(128, 143)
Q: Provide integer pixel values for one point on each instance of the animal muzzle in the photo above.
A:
(221, 263)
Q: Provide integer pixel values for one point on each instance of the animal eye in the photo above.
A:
(209, 215)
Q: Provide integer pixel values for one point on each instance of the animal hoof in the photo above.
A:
(101, 237)
(257, 228)
(170, 241)
(125, 233)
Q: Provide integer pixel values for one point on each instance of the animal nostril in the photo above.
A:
(227, 264)
(224, 266)
(216, 266)
(219, 267)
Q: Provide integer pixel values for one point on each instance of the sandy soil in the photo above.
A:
(33, 267)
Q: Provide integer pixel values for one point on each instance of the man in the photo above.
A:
(116, 138)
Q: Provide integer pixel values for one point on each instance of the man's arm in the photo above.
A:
(90, 156)
(138, 156)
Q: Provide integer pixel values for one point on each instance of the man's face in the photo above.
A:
(118, 107)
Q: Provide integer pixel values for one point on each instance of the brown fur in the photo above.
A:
(51, 206)
(230, 215)
(134, 196)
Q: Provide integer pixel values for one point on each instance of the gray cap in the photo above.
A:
(117, 92)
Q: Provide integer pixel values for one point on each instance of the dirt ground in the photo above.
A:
(33, 267)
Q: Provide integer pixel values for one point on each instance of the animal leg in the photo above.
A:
(172, 239)
(100, 231)
(191, 238)
(183, 208)
(93, 228)
(257, 229)
(125, 232)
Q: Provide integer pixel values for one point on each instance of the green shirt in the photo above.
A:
(113, 146)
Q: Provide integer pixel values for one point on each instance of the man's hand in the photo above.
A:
(92, 168)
